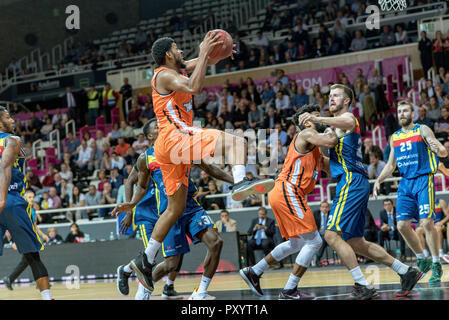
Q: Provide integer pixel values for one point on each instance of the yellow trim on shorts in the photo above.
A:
(431, 195)
(34, 226)
(144, 236)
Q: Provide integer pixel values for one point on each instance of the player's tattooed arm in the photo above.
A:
(344, 122)
(325, 164)
(387, 171)
(215, 172)
(10, 153)
(143, 178)
(433, 142)
(327, 139)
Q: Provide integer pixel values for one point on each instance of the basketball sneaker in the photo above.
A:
(122, 280)
(424, 265)
(7, 283)
(437, 272)
(246, 187)
(294, 294)
(252, 280)
(143, 270)
(199, 295)
(445, 258)
(408, 281)
(169, 292)
(361, 292)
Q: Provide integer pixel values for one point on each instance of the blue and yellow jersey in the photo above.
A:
(413, 156)
(18, 180)
(155, 201)
(346, 156)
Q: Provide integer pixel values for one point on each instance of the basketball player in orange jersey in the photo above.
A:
(179, 143)
(295, 218)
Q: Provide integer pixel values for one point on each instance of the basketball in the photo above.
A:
(224, 50)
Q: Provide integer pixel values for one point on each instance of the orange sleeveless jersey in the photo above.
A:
(173, 110)
(301, 170)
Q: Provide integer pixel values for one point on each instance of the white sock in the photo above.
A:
(399, 267)
(151, 250)
(292, 282)
(142, 293)
(435, 259)
(238, 172)
(46, 294)
(358, 276)
(441, 252)
(260, 267)
(127, 268)
(420, 256)
(204, 284)
(169, 282)
(426, 253)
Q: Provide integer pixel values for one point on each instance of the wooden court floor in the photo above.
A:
(224, 282)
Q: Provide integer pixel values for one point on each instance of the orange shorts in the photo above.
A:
(291, 210)
(176, 150)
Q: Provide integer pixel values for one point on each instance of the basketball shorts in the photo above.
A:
(176, 149)
(416, 198)
(16, 218)
(176, 242)
(291, 210)
(349, 206)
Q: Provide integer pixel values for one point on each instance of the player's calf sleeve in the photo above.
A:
(287, 248)
(36, 265)
(312, 243)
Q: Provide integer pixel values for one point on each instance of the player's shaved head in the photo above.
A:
(160, 48)
(150, 129)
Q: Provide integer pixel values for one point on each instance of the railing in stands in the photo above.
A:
(56, 141)
(372, 181)
(377, 134)
(128, 104)
(67, 125)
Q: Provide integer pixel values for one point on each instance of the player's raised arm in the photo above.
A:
(345, 122)
(133, 178)
(433, 142)
(216, 172)
(387, 171)
(327, 139)
(170, 80)
(9, 156)
(143, 177)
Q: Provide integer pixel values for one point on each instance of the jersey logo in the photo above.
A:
(315, 175)
(188, 106)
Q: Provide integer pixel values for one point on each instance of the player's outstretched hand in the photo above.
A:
(302, 119)
(210, 41)
(126, 222)
(122, 207)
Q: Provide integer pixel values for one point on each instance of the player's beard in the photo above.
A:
(179, 63)
(8, 128)
(405, 122)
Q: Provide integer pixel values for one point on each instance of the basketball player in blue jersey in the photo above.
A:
(15, 212)
(150, 201)
(414, 150)
(346, 221)
(441, 218)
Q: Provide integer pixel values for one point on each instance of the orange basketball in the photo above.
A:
(224, 50)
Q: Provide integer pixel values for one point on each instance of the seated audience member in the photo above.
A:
(213, 203)
(388, 226)
(75, 235)
(141, 144)
(117, 161)
(226, 224)
(77, 199)
(109, 196)
(261, 230)
(53, 235)
(321, 223)
(122, 147)
(92, 198)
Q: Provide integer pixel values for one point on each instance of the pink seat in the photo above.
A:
(50, 152)
(33, 163)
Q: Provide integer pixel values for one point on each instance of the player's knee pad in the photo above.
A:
(36, 265)
(286, 248)
(312, 243)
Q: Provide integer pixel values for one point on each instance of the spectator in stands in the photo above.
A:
(369, 147)
(58, 117)
(75, 235)
(434, 111)
(226, 224)
(278, 135)
(46, 202)
(106, 161)
(321, 223)
(126, 132)
(140, 40)
(127, 92)
(116, 179)
(388, 227)
(376, 165)
(268, 96)
(93, 104)
(422, 117)
(375, 79)
(262, 230)
(65, 172)
(425, 50)
(240, 116)
(55, 199)
(65, 192)
(134, 116)
(282, 104)
(95, 160)
(49, 178)
(122, 147)
(401, 35)
(213, 203)
(359, 42)
(71, 144)
(53, 236)
(84, 153)
(30, 133)
(141, 144)
(241, 48)
(439, 94)
(92, 198)
(110, 98)
(77, 199)
(114, 135)
(117, 161)
(441, 127)
(332, 47)
(445, 86)
(69, 102)
(318, 49)
(387, 37)
(255, 116)
(261, 42)
(438, 50)
(271, 118)
(203, 186)
(87, 136)
(109, 196)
